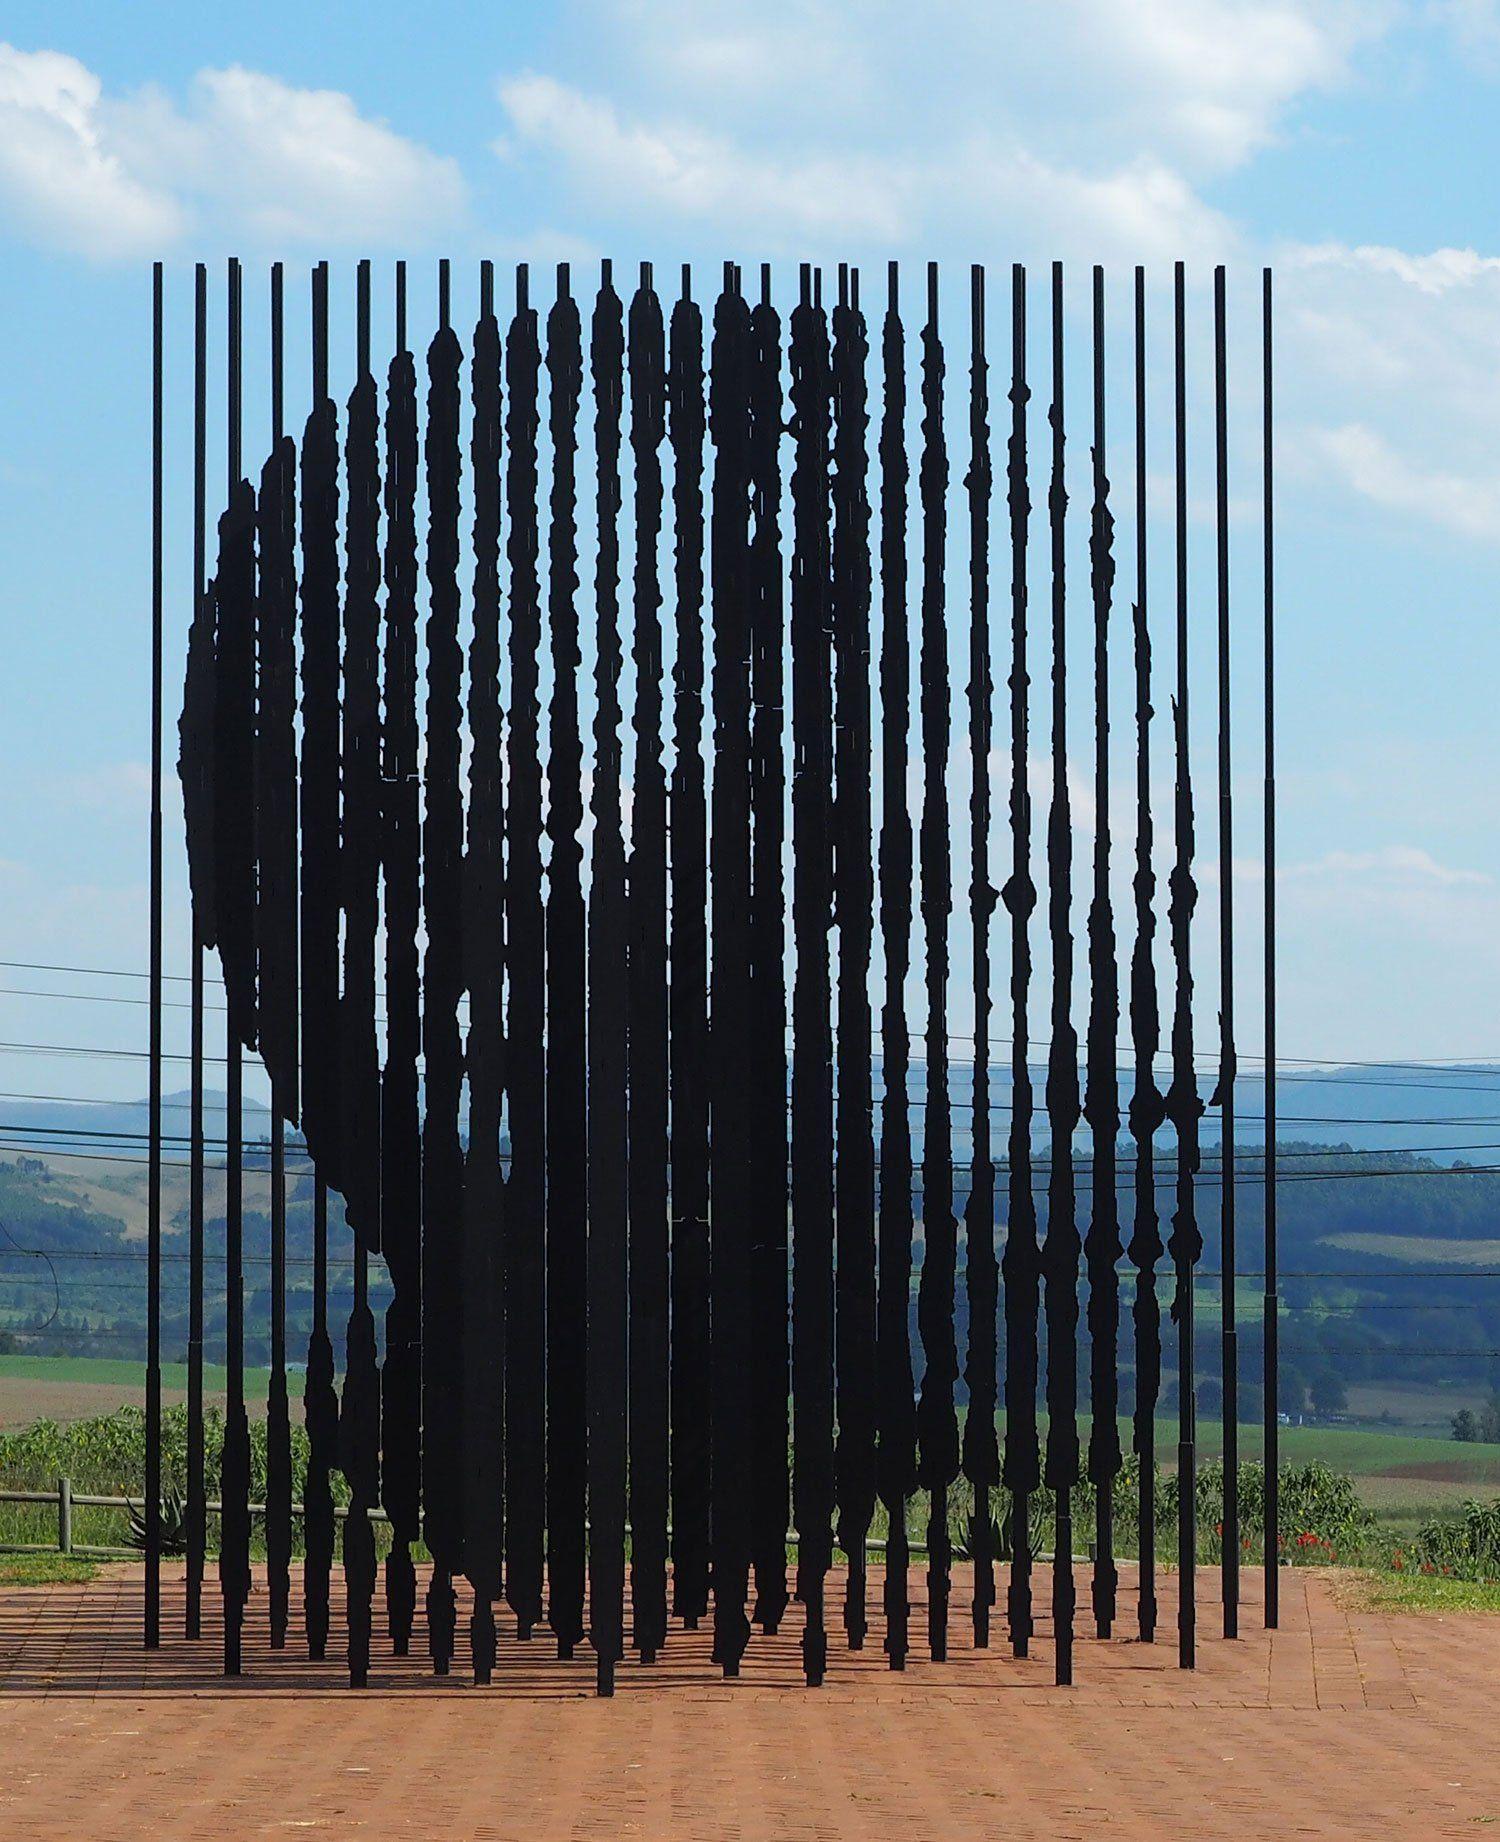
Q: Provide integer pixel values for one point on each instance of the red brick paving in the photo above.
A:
(1340, 1724)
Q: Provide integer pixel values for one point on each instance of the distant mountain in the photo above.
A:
(1450, 1114)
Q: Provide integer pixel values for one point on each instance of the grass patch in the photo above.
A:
(1416, 1592)
(44, 1569)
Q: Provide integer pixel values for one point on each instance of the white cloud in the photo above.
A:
(694, 172)
(1072, 125)
(248, 156)
(1475, 23)
(1405, 865)
(1141, 210)
(1396, 357)
(1435, 274)
(1213, 77)
(60, 176)
(1374, 469)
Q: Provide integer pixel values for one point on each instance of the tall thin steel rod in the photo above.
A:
(1147, 1105)
(1023, 1473)
(153, 1219)
(400, 1119)
(1272, 1392)
(197, 1514)
(359, 1419)
(567, 1061)
(937, 1422)
(981, 1452)
(649, 1381)
(771, 1481)
(1102, 1099)
(234, 1565)
(608, 1251)
(855, 1300)
(1229, 1553)
(442, 993)
(1060, 1253)
(525, 946)
(730, 997)
(688, 999)
(278, 1418)
(1184, 1107)
(812, 1049)
(485, 1216)
(896, 1449)
(319, 793)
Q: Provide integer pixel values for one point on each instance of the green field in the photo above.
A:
(125, 1375)
(1405, 1475)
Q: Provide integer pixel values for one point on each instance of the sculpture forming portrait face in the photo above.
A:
(569, 758)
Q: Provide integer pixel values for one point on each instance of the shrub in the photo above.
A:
(1466, 1546)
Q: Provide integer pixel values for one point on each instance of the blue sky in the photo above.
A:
(1352, 145)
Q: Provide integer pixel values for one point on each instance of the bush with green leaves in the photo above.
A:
(106, 1457)
(1466, 1546)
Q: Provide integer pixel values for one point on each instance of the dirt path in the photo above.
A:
(1343, 1723)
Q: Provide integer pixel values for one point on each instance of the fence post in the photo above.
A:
(65, 1515)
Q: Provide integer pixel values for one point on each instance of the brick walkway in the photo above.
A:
(1340, 1724)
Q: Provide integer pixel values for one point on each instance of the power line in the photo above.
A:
(1326, 1066)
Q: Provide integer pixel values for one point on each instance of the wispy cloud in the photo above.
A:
(1374, 469)
(245, 153)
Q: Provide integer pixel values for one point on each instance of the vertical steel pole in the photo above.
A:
(1185, 1240)
(1272, 1392)
(153, 1229)
(235, 1563)
(278, 1482)
(197, 1515)
(1229, 1549)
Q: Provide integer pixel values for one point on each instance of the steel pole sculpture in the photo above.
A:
(581, 1187)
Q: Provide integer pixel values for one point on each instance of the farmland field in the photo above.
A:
(79, 1387)
(1404, 1472)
